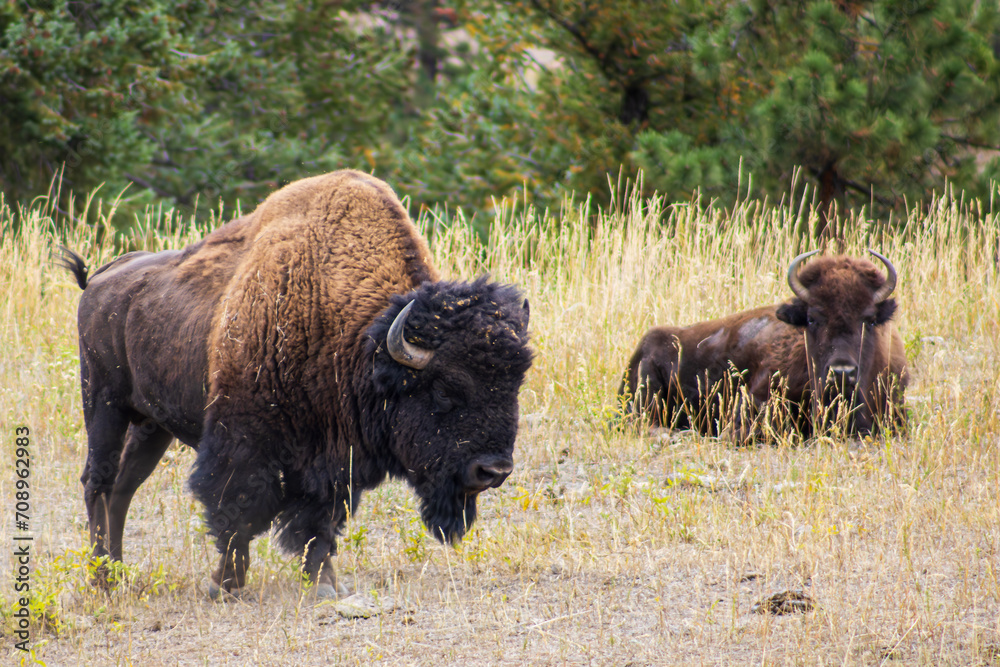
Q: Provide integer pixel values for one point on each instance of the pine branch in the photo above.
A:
(857, 187)
(870, 191)
(967, 142)
(575, 31)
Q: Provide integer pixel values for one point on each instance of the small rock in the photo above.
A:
(787, 602)
(363, 606)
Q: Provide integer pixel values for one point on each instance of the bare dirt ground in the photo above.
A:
(587, 555)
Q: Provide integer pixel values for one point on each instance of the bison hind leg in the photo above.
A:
(145, 444)
(106, 428)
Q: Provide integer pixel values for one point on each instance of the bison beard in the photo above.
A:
(308, 351)
(446, 512)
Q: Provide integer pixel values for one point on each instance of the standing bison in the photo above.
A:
(832, 352)
(306, 350)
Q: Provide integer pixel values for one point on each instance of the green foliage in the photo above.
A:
(414, 537)
(676, 164)
(201, 103)
(74, 571)
(194, 101)
(882, 99)
(286, 91)
(613, 72)
(83, 84)
(473, 145)
(878, 101)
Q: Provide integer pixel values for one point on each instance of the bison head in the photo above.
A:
(840, 303)
(448, 362)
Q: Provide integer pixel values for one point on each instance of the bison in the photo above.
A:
(833, 351)
(307, 350)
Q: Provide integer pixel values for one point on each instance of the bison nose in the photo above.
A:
(487, 472)
(844, 373)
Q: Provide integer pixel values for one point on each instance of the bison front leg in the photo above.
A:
(308, 529)
(656, 395)
(748, 404)
(235, 520)
(241, 499)
(319, 568)
(231, 573)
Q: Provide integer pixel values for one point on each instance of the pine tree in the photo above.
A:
(81, 87)
(193, 103)
(878, 101)
(630, 90)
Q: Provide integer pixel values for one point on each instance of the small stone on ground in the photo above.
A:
(364, 606)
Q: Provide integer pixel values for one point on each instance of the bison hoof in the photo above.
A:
(219, 594)
(326, 592)
(331, 592)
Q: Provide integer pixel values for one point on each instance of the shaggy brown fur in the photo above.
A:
(264, 346)
(724, 373)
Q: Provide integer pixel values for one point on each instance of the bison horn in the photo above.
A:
(793, 276)
(890, 280)
(402, 351)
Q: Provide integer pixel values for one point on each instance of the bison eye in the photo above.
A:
(442, 402)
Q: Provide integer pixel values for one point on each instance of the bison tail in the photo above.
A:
(74, 264)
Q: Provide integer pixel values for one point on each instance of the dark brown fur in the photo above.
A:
(723, 373)
(263, 346)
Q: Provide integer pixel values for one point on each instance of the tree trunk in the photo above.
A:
(635, 105)
(831, 190)
(428, 36)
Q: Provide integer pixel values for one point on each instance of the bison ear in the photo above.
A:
(794, 313)
(884, 311)
(527, 313)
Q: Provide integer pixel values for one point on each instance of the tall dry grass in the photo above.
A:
(604, 546)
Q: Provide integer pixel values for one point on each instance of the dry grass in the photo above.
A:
(586, 554)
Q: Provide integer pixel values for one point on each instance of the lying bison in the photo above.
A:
(832, 351)
(306, 350)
